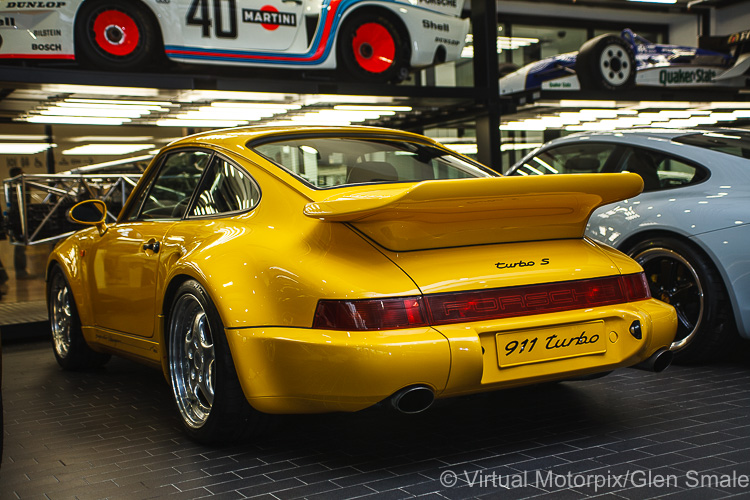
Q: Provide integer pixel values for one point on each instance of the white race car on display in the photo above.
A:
(625, 60)
(372, 39)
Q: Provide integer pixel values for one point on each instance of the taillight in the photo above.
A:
(370, 314)
(636, 287)
(458, 307)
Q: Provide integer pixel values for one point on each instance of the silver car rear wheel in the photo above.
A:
(683, 276)
(205, 386)
(192, 360)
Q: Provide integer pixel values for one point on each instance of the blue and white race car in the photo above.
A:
(372, 39)
(622, 61)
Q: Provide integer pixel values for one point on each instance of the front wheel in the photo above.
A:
(683, 277)
(372, 47)
(116, 36)
(606, 62)
(204, 383)
(70, 348)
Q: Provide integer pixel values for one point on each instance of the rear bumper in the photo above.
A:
(298, 370)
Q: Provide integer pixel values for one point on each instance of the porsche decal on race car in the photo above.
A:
(371, 39)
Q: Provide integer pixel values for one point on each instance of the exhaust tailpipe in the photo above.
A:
(658, 362)
(413, 399)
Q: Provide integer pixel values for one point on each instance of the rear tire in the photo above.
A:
(117, 36)
(606, 62)
(205, 387)
(373, 47)
(685, 278)
(70, 348)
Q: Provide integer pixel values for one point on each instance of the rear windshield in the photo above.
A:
(326, 162)
(734, 142)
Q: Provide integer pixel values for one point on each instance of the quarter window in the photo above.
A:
(169, 194)
(225, 188)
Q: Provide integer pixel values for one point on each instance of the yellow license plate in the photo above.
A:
(547, 344)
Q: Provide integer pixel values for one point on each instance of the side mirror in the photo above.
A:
(89, 213)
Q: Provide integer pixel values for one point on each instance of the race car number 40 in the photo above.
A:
(546, 344)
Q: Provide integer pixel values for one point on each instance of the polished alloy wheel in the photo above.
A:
(61, 315)
(673, 280)
(615, 65)
(192, 360)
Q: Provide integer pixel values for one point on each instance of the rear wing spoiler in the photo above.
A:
(461, 212)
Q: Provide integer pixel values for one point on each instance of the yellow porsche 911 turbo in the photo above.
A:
(318, 269)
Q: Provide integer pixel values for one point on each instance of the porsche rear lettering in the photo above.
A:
(521, 263)
(534, 300)
(269, 17)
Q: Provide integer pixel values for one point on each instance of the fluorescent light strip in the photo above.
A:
(75, 120)
(20, 148)
(107, 149)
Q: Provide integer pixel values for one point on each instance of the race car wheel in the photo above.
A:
(70, 348)
(685, 278)
(116, 36)
(373, 47)
(204, 383)
(606, 62)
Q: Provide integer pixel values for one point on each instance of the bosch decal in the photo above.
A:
(35, 5)
(269, 17)
(46, 47)
(430, 25)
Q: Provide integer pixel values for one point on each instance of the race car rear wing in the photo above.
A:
(726, 43)
(737, 44)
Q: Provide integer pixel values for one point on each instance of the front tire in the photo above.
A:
(204, 382)
(70, 348)
(117, 36)
(606, 62)
(685, 278)
(373, 47)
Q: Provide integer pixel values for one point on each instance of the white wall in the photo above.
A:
(731, 19)
(683, 28)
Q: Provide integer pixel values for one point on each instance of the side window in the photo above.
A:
(583, 158)
(169, 194)
(225, 188)
(660, 171)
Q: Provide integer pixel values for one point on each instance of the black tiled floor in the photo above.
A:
(112, 433)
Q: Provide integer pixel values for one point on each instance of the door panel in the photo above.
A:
(124, 277)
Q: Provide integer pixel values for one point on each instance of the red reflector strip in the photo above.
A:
(524, 300)
(458, 307)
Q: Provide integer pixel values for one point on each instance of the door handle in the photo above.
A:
(298, 2)
(152, 245)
